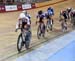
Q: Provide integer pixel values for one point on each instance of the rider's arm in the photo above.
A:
(53, 11)
(28, 21)
(17, 25)
(29, 16)
(37, 16)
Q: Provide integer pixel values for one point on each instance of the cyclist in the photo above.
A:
(73, 17)
(64, 14)
(69, 9)
(24, 23)
(48, 15)
(40, 17)
(28, 15)
(63, 26)
(22, 20)
(63, 20)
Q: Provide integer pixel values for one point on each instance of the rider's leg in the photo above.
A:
(27, 39)
(47, 25)
(44, 30)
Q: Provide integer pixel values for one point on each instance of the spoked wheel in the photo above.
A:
(19, 43)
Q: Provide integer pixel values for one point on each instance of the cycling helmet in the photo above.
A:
(40, 12)
(49, 8)
(25, 12)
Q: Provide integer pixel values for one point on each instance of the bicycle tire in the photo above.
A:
(21, 42)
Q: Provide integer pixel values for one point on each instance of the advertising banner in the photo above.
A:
(11, 7)
(26, 6)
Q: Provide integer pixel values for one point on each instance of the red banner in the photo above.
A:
(2, 8)
(33, 5)
(19, 7)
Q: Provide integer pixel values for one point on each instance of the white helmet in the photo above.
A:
(25, 12)
(21, 15)
(69, 8)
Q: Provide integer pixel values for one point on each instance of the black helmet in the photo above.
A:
(40, 12)
(49, 8)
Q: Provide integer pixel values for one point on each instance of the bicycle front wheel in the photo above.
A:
(19, 43)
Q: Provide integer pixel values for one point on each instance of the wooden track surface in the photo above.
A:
(8, 38)
(46, 3)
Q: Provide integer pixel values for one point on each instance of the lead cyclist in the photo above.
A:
(23, 23)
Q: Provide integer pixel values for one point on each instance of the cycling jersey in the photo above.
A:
(64, 14)
(47, 15)
(28, 17)
(50, 12)
(22, 20)
(73, 13)
(41, 17)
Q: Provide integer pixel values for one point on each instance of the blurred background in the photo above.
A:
(9, 2)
